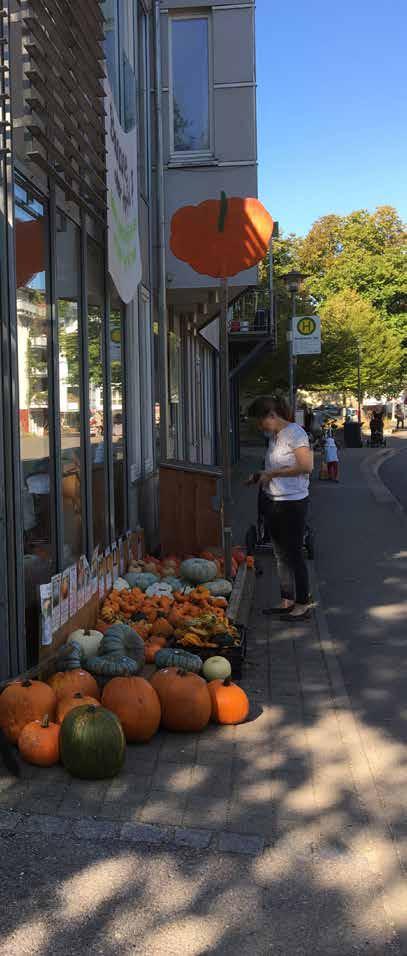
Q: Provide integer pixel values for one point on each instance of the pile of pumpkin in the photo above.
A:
(188, 611)
(70, 719)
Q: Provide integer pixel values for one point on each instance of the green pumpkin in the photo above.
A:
(169, 657)
(92, 743)
(217, 668)
(142, 580)
(198, 570)
(113, 665)
(219, 588)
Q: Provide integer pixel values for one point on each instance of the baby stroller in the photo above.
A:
(258, 539)
(377, 439)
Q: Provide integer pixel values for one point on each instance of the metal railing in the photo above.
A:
(251, 315)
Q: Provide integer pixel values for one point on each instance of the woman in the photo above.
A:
(289, 463)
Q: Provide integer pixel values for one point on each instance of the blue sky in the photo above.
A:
(332, 113)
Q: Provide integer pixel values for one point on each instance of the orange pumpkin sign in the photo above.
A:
(220, 238)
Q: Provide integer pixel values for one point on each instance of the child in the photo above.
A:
(331, 458)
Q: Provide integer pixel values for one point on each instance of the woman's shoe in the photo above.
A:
(277, 610)
(302, 615)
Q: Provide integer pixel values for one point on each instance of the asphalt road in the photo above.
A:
(394, 475)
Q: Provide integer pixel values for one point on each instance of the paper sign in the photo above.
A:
(94, 571)
(46, 614)
(121, 556)
(306, 335)
(81, 582)
(56, 602)
(65, 596)
(109, 570)
(73, 590)
(101, 576)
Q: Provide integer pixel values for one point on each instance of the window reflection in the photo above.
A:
(34, 353)
(68, 272)
(190, 84)
(96, 390)
(117, 409)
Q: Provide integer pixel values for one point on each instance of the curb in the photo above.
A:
(371, 473)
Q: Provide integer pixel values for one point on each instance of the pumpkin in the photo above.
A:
(198, 570)
(87, 639)
(70, 656)
(185, 700)
(23, 702)
(221, 238)
(151, 650)
(38, 742)
(173, 582)
(66, 704)
(66, 683)
(163, 628)
(121, 584)
(92, 743)
(113, 665)
(136, 704)
(159, 590)
(171, 657)
(143, 580)
(230, 704)
(219, 588)
(216, 668)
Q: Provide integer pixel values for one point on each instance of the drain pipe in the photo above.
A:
(161, 264)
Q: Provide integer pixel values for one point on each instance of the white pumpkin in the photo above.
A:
(121, 585)
(88, 639)
(216, 668)
(159, 590)
(219, 588)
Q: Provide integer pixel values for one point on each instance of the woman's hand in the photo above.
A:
(266, 477)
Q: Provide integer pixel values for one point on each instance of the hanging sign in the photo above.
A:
(124, 256)
(307, 335)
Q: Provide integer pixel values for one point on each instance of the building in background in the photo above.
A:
(97, 390)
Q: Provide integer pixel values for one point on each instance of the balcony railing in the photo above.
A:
(250, 315)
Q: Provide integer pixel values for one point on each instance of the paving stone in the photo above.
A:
(143, 833)
(12, 795)
(206, 813)
(9, 820)
(240, 843)
(96, 830)
(173, 777)
(140, 760)
(196, 839)
(123, 801)
(43, 823)
(212, 780)
(163, 807)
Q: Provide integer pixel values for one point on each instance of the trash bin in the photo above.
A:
(352, 435)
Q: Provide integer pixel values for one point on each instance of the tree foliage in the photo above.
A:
(357, 281)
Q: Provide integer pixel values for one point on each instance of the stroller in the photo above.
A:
(376, 439)
(258, 538)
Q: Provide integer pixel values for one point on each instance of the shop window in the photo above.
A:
(34, 369)
(157, 393)
(97, 422)
(190, 89)
(146, 381)
(117, 412)
(111, 46)
(174, 384)
(68, 295)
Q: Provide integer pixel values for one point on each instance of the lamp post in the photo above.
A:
(293, 282)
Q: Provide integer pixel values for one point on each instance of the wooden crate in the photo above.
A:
(190, 508)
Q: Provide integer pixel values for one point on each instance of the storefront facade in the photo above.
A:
(98, 388)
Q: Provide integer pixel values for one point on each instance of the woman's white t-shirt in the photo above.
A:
(280, 454)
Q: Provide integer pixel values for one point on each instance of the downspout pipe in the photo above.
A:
(161, 263)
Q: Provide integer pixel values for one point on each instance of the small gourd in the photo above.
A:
(169, 657)
(219, 588)
(198, 570)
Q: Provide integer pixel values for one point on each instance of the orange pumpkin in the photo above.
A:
(151, 648)
(38, 742)
(21, 703)
(66, 683)
(66, 704)
(221, 237)
(184, 698)
(230, 704)
(163, 628)
(136, 704)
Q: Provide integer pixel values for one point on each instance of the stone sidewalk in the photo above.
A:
(290, 797)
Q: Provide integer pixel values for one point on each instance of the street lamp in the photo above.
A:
(293, 282)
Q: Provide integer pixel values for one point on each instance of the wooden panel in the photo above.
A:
(190, 514)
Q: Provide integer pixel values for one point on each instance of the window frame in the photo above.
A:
(194, 155)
